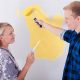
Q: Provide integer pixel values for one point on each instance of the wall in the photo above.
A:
(10, 11)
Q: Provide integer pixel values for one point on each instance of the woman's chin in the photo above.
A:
(12, 41)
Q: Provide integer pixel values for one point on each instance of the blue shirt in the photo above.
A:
(72, 65)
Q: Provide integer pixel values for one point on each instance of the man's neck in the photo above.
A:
(77, 30)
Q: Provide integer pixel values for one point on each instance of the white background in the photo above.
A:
(10, 11)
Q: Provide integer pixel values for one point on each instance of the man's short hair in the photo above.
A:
(74, 7)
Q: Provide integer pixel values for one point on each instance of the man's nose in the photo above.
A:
(66, 21)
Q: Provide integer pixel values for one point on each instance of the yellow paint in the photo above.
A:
(51, 46)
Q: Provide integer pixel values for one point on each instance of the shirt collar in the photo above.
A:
(77, 33)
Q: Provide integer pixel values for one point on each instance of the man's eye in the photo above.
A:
(66, 18)
(10, 33)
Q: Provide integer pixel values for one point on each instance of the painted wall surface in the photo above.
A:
(49, 45)
(11, 12)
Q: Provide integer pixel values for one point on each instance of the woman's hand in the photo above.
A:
(30, 59)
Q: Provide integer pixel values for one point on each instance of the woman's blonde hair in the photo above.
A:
(2, 26)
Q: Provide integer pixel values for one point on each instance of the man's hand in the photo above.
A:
(38, 22)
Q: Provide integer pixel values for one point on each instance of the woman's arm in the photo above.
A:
(29, 61)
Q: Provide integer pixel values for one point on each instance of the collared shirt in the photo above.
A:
(72, 65)
(9, 69)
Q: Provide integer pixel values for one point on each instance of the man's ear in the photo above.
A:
(78, 18)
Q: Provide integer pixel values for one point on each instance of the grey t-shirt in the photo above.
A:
(9, 69)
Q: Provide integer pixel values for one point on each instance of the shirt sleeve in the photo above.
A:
(5, 68)
(62, 34)
(66, 35)
(76, 54)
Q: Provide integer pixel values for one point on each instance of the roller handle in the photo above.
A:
(35, 19)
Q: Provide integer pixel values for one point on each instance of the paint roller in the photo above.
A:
(35, 47)
(29, 11)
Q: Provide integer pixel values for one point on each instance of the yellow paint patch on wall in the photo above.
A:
(51, 46)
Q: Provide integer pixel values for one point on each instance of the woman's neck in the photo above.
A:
(5, 46)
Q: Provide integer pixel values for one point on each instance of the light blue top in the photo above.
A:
(9, 69)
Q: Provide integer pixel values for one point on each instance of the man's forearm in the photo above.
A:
(55, 30)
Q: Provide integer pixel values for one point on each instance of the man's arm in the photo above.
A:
(55, 30)
(66, 35)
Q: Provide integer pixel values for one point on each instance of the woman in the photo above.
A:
(8, 67)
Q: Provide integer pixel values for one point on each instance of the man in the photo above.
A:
(72, 36)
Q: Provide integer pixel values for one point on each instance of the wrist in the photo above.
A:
(27, 64)
(44, 24)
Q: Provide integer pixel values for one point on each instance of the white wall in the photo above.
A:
(41, 69)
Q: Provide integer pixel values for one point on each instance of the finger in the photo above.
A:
(31, 55)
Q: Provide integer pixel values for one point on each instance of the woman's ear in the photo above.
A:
(0, 37)
(0, 40)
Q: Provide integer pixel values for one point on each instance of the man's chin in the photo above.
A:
(71, 28)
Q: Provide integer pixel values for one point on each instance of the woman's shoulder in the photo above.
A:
(4, 53)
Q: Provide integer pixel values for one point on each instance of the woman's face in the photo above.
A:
(8, 35)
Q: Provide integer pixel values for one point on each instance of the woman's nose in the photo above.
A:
(13, 35)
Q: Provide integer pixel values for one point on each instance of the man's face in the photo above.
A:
(70, 20)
